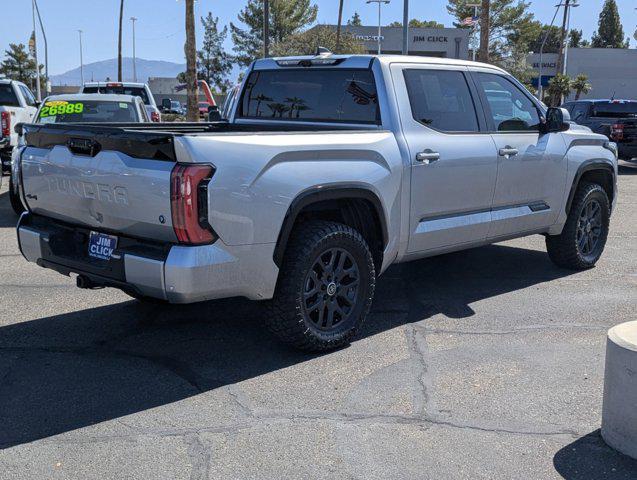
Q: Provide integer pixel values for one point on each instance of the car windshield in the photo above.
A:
(120, 90)
(8, 97)
(76, 111)
(175, 104)
(615, 109)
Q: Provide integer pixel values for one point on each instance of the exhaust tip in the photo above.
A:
(83, 282)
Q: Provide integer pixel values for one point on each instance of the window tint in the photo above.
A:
(8, 97)
(441, 100)
(28, 96)
(615, 109)
(510, 108)
(134, 91)
(312, 95)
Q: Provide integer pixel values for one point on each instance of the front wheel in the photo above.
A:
(583, 238)
(325, 289)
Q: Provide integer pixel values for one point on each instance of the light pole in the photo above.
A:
(568, 30)
(81, 60)
(379, 2)
(46, 47)
(134, 19)
(35, 55)
(475, 15)
(406, 27)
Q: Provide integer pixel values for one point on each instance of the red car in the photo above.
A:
(203, 109)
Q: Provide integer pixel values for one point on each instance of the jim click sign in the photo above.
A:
(430, 38)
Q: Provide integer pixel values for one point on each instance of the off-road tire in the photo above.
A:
(288, 316)
(16, 203)
(564, 249)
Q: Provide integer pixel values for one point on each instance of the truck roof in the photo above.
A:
(358, 61)
(112, 83)
(101, 97)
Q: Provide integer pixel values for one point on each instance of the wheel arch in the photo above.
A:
(318, 198)
(598, 171)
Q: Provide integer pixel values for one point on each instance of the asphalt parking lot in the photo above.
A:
(481, 364)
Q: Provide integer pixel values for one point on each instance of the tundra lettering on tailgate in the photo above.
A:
(94, 191)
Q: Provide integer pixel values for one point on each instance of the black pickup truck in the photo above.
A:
(617, 119)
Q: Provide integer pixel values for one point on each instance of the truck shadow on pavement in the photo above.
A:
(73, 370)
(8, 218)
(589, 458)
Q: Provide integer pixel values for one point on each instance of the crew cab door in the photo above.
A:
(453, 161)
(531, 166)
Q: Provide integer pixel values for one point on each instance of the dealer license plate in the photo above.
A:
(101, 245)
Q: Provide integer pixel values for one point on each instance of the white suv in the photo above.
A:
(127, 88)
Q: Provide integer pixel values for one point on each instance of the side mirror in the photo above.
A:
(213, 113)
(556, 120)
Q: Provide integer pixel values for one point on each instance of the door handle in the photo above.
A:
(508, 152)
(428, 156)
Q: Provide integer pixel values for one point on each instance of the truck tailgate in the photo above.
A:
(106, 179)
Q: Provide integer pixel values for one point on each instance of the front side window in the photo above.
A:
(441, 99)
(511, 109)
(338, 95)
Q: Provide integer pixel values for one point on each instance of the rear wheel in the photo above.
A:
(583, 238)
(325, 289)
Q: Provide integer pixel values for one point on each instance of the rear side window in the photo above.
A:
(339, 95)
(441, 99)
(8, 98)
(578, 112)
(114, 89)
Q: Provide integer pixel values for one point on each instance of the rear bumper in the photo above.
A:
(627, 151)
(182, 274)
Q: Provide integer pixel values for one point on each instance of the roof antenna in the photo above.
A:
(322, 51)
(612, 97)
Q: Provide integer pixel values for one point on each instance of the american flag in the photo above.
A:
(470, 21)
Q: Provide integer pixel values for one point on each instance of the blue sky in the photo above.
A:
(160, 30)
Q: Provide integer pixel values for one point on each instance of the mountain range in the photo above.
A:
(100, 71)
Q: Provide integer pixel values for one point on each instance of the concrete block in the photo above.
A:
(619, 413)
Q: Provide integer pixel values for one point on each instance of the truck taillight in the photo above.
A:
(617, 131)
(189, 203)
(154, 117)
(5, 122)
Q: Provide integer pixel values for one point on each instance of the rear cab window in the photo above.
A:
(615, 109)
(75, 111)
(8, 98)
(311, 95)
(120, 90)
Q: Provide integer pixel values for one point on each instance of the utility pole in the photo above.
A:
(119, 42)
(266, 28)
(540, 88)
(191, 64)
(483, 54)
(35, 55)
(379, 2)
(46, 47)
(338, 27)
(405, 27)
(560, 56)
(81, 60)
(134, 19)
(473, 31)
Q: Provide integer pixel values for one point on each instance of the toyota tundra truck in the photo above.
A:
(330, 169)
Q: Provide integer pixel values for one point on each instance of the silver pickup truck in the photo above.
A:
(329, 169)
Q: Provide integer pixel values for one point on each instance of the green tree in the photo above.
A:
(610, 33)
(532, 36)
(415, 23)
(508, 20)
(213, 63)
(355, 20)
(576, 40)
(559, 88)
(581, 85)
(19, 65)
(287, 17)
(305, 43)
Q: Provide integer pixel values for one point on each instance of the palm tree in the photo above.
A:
(581, 85)
(294, 103)
(119, 43)
(338, 26)
(261, 98)
(192, 114)
(559, 88)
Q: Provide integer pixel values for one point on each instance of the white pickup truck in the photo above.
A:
(17, 105)
(330, 169)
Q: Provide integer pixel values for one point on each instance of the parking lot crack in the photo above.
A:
(200, 457)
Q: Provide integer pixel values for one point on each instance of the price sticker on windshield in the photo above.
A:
(60, 107)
